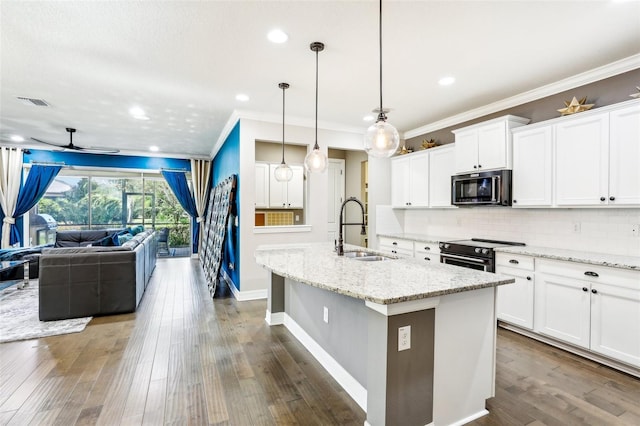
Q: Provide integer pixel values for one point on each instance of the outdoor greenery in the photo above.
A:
(98, 203)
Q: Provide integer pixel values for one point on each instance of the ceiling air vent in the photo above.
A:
(32, 101)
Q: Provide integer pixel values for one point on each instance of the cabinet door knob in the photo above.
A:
(515, 201)
(475, 167)
(585, 289)
(602, 198)
(514, 261)
(479, 166)
(594, 291)
(612, 198)
(591, 274)
(394, 252)
(528, 278)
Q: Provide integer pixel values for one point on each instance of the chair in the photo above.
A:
(163, 242)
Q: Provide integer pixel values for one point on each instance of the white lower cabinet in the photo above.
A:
(395, 246)
(514, 302)
(594, 307)
(429, 252)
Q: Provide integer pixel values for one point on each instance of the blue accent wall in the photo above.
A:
(106, 160)
(227, 163)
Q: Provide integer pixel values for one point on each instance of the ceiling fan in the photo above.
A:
(72, 147)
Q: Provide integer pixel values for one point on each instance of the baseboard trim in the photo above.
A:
(276, 318)
(572, 349)
(470, 418)
(346, 380)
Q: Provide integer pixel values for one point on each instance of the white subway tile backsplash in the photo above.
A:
(600, 230)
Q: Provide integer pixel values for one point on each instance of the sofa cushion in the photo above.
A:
(79, 238)
(123, 238)
(136, 230)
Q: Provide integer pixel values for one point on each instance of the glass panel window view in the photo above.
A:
(79, 200)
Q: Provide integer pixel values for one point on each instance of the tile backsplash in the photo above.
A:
(594, 230)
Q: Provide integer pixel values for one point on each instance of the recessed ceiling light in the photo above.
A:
(446, 81)
(277, 36)
(138, 113)
(154, 148)
(16, 138)
(368, 118)
(242, 97)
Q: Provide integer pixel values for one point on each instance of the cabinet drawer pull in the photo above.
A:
(479, 166)
(602, 198)
(427, 248)
(585, 289)
(612, 198)
(528, 278)
(594, 291)
(395, 243)
(475, 167)
(514, 261)
(427, 258)
(591, 274)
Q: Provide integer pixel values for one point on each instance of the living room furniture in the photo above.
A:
(8, 265)
(79, 281)
(163, 242)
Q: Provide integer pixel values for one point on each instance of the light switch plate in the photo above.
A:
(404, 338)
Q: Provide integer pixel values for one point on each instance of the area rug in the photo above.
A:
(19, 316)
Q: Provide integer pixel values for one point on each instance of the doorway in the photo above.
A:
(335, 196)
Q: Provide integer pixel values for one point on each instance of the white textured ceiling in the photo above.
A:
(183, 62)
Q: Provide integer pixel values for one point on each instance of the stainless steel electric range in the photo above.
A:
(476, 253)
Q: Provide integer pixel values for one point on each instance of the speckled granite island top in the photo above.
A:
(602, 259)
(384, 282)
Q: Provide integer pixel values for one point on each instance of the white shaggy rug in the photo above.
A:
(19, 316)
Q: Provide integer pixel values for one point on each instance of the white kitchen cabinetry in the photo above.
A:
(624, 156)
(429, 252)
(441, 167)
(594, 307)
(395, 246)
(422, 179)
(262, 185)
(532, 167)
(514, 302)
(288, 195)
(582, 160)
(410, 180)
(486, 146)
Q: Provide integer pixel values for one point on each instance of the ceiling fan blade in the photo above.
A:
(61, 147)
(98, 150)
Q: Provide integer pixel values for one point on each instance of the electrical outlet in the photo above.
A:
(577, 227)
(404, 338)
(297, 218)
(325, 315)
(635, 230)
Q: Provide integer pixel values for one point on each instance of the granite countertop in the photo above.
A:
(384, 282)
(602, 259)
(423, 238)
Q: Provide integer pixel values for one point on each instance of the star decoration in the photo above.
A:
(636, 95)
(426, 144)
(575, 106)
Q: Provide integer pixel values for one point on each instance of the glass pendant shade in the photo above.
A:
(315, 161)
(283, 173)
(381, 139)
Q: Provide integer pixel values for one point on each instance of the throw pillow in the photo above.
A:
(108, 241)
(123, 238)
(137, 229)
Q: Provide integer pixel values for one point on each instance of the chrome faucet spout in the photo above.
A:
(340, 246)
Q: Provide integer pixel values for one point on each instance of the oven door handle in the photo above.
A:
(467, 259)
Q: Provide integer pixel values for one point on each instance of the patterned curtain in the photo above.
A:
(38, 180)
(10, 179)
(200, 175)
(177, 181)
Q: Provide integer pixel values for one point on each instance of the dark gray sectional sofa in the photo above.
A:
(79, 281)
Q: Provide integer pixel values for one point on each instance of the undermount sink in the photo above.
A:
(365, 256)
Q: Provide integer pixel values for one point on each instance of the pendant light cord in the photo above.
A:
(283, 89)
(315, 146)
(380, 40)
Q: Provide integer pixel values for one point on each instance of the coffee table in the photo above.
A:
(10, 264)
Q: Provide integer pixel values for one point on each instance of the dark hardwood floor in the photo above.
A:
(184, 359)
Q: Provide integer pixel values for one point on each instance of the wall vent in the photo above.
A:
(33, 101)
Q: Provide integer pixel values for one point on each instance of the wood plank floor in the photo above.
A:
(184, 359)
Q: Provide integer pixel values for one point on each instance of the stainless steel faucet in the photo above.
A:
(340, 246)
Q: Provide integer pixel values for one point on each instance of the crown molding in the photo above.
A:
(627, 64)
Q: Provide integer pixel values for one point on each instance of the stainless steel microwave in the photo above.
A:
(492, 188)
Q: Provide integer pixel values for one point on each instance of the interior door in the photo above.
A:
(335, 195)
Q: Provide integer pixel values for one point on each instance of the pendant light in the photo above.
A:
(316, 161)
(283, 172)
(381, 139)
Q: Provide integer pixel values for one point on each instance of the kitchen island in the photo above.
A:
(413, 343)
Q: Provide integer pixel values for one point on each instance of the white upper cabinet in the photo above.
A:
(262, 185)
(441, 168)
(598, 158)
(532, 167)
(582, 166)
(624, 156)
(486, 146)
(286, 195)
(422, 179)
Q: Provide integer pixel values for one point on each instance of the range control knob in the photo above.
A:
(485, 251)
(477, 250)
(446, 245)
